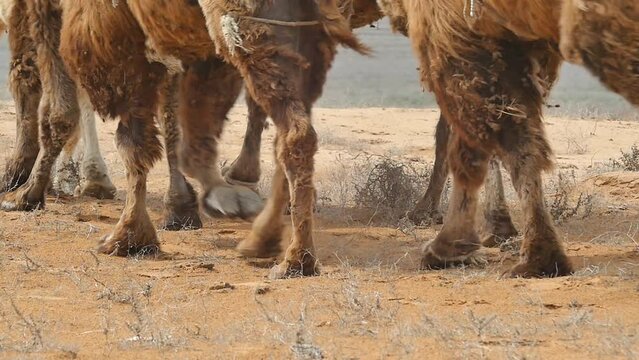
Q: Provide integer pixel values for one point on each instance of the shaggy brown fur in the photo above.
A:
(181, 211)
(284, 69)
(498, 223)
(121, 82)
(130, 36)
(490, 68)
(364, 12)
(24, 80)
(283, 80)
(394, 9)
(209, 89)
(485, 73)
(603, 36)
(26, 90)
(58, 111)
(245, 170)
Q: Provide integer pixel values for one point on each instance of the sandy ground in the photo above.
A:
(58, 299)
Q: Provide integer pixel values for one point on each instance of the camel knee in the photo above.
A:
(468, 165)
(24, 79)
(298, 135)
(138, 144)
(303, 138)
(24, 76)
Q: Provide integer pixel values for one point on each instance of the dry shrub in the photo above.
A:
(561, 205)
(628, 161)
(392, 188)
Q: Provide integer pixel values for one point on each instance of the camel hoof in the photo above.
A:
(500, 229)
(249, 184)
(97, 190)
(263, 241)
(139, 238)
(476, 259)
(430, 261)
(232, 201)
(18, 200)
(426, 217)
(95, 181)
(186, 220)
(110, 245)
(251, 248)
(228, 172)
(559, 266)
(288, 269)
(446, 251)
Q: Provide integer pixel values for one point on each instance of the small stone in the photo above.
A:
(324, 323)
(221, 286)
(262, 289)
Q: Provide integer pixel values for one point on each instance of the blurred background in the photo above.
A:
(389, 79)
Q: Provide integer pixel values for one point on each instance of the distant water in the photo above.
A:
(389, 79)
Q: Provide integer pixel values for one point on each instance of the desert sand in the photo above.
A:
(59, 299)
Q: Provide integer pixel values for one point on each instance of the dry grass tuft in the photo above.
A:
(561, 204)
(628, 161)
(392, 188)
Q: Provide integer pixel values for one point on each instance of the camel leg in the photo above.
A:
(180, 201)
(208, 91)
(458, 239)
(295, 147)
(284, 70)
(427, 209)
(92, 178)
(139, 147)
(65, 172)
(498, 224)
(58, 112)
(245, 170)
(94, 181)
(541, 252)
(265, 238)
(57, 125)
(121, 83)
(26, 89)
(525, 153)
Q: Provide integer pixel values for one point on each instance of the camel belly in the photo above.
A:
(528, 19)
(174, 28)
(104, 49)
